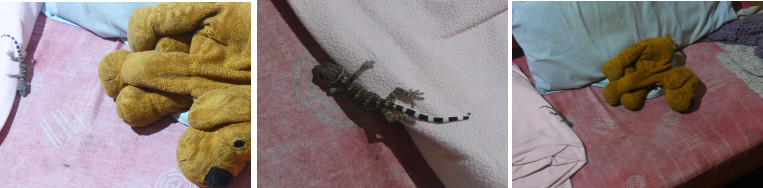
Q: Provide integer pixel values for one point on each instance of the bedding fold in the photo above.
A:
(545, 151)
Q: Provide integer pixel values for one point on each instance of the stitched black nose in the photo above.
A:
(691, 103)
(217, 177)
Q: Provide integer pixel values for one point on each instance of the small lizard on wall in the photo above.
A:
(23, 86)
(334, 77)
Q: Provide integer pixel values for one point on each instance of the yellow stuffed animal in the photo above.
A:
(195, 55)
(643, 66)
(179, 50)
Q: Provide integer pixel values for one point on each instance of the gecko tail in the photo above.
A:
(430, 119)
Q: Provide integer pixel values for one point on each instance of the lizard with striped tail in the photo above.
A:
(336, 79)
(23, 86)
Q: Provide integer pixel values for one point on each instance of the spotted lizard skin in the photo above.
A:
(23, 86)
(336, 79)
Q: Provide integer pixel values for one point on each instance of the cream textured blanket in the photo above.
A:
(741, 60)
(456, 52)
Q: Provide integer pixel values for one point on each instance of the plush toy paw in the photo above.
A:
(120, 75)
(634, 100)
(138, 107)
(612, 93)
(110, 67)
(217, 145)
(109, 70)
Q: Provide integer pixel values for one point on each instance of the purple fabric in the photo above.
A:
(747, 31)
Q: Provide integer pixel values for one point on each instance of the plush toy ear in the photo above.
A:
(221, 107)
(667, 36)
(677, 77)
(109, 71)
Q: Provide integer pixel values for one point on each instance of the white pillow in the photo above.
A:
(567, 42)
(105, 19)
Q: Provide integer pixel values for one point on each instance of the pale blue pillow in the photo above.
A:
(107, 20)
(567, 42)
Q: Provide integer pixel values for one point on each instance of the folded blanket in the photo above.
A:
(739, 59)
(456, 52)
(18, 21)
(545, 151)
(747, 31)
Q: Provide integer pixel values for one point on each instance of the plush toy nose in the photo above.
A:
(691, 103)
(217, 177)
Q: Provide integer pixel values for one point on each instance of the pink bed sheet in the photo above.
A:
(658, 147)
(66, 132)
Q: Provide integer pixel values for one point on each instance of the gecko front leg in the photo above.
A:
(413, 95)
(363, 68)
(557, 113)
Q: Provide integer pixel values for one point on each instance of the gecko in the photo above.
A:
(337, 79)
(23, 86)
(557, 113)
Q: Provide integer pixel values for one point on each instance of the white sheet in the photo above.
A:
(17, 20)
(545, 151)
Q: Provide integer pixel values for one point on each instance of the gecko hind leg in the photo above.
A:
(393, 118)
(413, 95)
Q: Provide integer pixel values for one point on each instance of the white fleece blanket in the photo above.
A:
(454, 51)
(545, 151)
(17, 20)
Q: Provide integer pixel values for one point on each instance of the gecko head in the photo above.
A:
(327, 74)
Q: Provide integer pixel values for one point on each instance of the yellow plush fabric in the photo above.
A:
(183, 55)
(210, 141)
(178, 49)
(634, 100)
(643, 66)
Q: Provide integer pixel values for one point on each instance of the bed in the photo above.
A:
(66, 132)
(658, 147)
